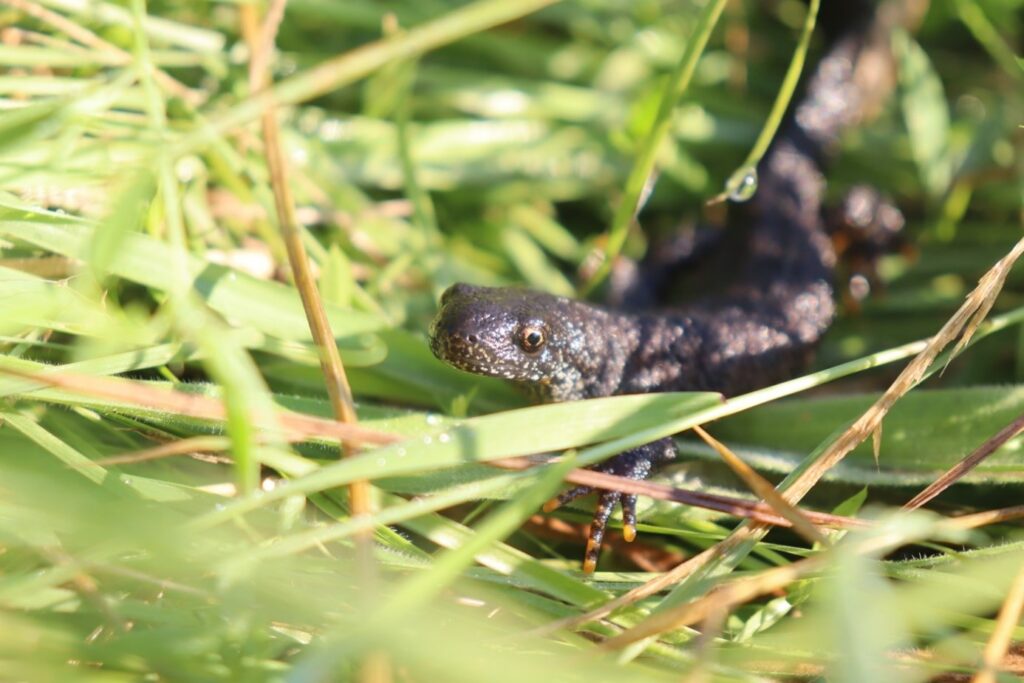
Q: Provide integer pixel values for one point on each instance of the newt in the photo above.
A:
(760, 330)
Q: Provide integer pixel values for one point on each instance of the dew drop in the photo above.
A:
(742, 184)
(127, 481)
(860, 287)
(428, 439)
(433, 419)
(382, 462)
(330, 131)
(219, 507)
(444, 437)
(400, 453)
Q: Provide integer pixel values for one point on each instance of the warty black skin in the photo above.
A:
(762, 330)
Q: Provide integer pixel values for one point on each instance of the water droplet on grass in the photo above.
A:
(742, 184)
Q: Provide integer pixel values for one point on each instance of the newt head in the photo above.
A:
(532, 338)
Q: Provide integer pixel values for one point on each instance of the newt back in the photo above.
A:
(761, 330)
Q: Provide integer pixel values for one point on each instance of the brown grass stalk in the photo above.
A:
(1006, 622)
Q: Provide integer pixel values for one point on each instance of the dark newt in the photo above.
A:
(759, 331)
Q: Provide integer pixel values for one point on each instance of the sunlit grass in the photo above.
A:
(142, 535)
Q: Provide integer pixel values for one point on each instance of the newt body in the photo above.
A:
(761, 330)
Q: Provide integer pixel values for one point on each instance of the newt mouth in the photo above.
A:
(461, 351)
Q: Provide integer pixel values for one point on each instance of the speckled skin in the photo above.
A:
(760, 331)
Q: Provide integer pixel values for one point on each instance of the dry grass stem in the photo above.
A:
(375, 668)
(261, 44)
(980, 519)
(187, 446)
(732, 506)
(137, 394)
(720, 599)
(765, 489)
(953, 474)
(1006, 622)
(961, 326)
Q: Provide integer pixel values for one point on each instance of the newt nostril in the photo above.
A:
(472, 339)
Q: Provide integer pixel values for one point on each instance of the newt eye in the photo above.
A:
(531, 339)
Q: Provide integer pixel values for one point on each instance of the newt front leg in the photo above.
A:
(637, 464)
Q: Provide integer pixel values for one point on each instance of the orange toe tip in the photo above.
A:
(629, 533)
(551, 505)
(590, 557)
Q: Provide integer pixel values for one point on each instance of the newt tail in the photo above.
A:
(761, 330)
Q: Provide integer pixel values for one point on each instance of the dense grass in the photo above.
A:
(148, 536)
